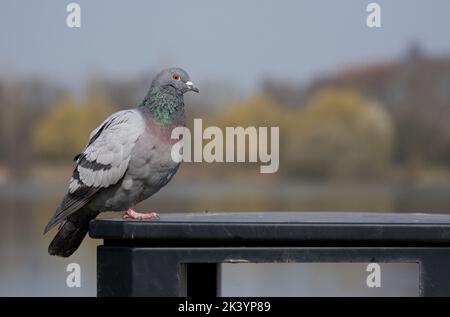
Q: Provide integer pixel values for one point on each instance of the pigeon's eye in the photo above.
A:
(176, 76)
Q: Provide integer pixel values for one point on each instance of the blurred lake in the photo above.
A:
(27, 270)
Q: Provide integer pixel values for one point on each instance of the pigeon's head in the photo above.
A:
(176, 78)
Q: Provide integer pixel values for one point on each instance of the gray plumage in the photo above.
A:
(127, 159)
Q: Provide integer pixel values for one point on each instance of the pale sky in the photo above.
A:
(236, 41)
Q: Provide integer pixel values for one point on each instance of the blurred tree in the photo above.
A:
(415, 90)
(339, 134)
(22, 102)
(256, 111)
(121, 93)
(64, 131)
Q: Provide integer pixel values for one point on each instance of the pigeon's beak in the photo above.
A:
(191, 86)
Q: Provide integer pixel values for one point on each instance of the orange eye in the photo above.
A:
(175, 76)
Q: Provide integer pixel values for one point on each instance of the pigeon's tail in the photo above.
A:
(71, 233)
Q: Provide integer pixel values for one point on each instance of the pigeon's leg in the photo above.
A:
(140, 216)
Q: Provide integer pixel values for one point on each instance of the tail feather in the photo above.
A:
(71, 204)
(71, 233)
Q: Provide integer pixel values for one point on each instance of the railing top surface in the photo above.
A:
(297, 217)
(269, 227)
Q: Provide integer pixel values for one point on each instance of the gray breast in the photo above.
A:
(150, 168)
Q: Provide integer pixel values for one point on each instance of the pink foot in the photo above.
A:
(140, 216)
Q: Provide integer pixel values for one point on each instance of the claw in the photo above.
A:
(140, 216)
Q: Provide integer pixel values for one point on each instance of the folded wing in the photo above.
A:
(103, 162)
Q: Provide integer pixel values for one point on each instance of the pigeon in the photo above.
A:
(127, 160)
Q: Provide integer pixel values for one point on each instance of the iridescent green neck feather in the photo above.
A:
(165, 104)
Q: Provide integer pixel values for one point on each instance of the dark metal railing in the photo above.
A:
(181, 254)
